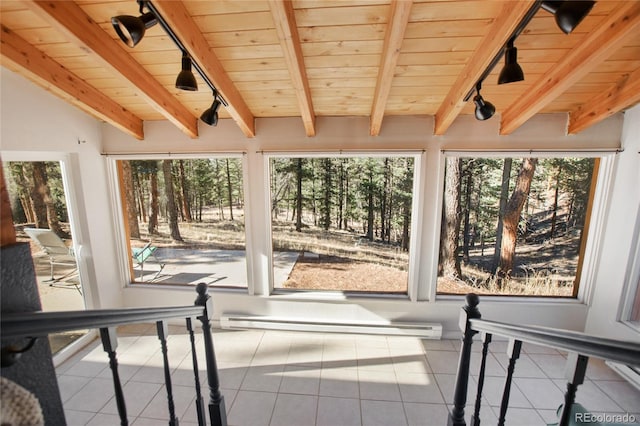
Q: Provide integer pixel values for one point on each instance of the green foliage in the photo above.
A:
(574, 181)
(205, 183)
(19, 180)
(553, 214)
(56, 188)
(371, 194)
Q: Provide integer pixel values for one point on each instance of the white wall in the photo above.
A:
(337, 134)
(39, 126)
(620, 229)
(63, 125)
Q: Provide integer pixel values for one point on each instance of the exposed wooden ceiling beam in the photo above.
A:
(185, 28)
(396, 26)
(49, 74)
(592, 51)
(624, 94)
(498, 34)
(79, 28)
(287, 29)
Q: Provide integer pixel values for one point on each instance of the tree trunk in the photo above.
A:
(44, 206)
(554, 216)
(512, 213)
(299, 194)
(504, 193)
(130, 199)
(449, 265)
(370, 206)
(340, 195)
(155, 209)
(218, 187)
(467, 210)
(184, 188)
(172, 209)
(384, 201)
(406, 187)
(314, 211)
(229, 191)
(38, 176)
(52, 215)
(347, 208)
(142, 208)
(19, 174)
(326, 200)
(390, 204)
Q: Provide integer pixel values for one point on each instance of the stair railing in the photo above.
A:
(31, 326)
(580, 347)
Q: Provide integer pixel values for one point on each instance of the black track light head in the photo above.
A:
(484, 110)
(210, 116)
(568, 13)
(186, 80)
(511, 72)
(131, 29)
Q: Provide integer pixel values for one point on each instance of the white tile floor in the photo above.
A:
(297, 379)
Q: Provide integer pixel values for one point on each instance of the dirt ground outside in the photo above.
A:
(334, 273)
(344, 260)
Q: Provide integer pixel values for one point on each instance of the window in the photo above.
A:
(514, 226)
(630, 302)
(341, 223)
(184, 220)
(40, 214)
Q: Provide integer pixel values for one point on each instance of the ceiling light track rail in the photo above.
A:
(568, 14)
(516, 32)
(131, 29)
(167, 29)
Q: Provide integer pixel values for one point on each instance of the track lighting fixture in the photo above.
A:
(511, 72)
(186, 80)
(484, 110)
(131, 29)
(568, 13)
(210, 116)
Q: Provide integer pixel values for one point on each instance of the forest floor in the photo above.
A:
(343, 260)
(543, 267)
(335, 260)
(334, 273)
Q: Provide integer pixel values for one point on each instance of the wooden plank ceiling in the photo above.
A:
(309, 58)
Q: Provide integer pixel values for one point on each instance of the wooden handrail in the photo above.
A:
(571, 341)
(36, 324)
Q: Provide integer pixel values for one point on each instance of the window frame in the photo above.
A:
(68, 163)
(122, 245)
(631, 289)
(595, 230)
(416, 224)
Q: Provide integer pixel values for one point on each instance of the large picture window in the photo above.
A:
(42, 218)
(514, 226)
(184, 220)
(341, 223)
(630, 302)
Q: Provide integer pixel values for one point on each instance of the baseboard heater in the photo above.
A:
(239, 321)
